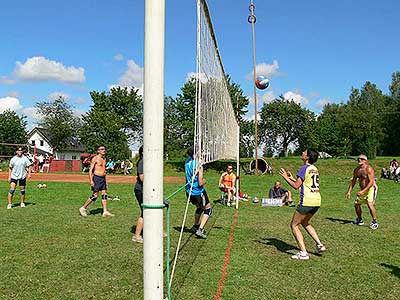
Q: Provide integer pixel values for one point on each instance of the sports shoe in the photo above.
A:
(194, 228)
(9, 206)
(22, 204)
(138, 239)
(321, 248)
(82, 212)
(107, 214)
(291, 204)
(200, 233)
(374, 225)
(359, 221)
(301, 256)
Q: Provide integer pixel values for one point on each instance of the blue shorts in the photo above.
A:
(100, 183)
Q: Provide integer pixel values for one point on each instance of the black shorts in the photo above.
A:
(199, 200)
(22, 182)
(100, 183)
(139, 198)
(304, 210)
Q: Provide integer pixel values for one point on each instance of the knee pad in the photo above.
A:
(104, 197)
(208, 211)
(12, 191)
(22, 192)
(93, 198)
(199, 211)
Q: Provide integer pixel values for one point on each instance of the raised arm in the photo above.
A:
(290, 180)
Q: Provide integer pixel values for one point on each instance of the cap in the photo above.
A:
(363, 157)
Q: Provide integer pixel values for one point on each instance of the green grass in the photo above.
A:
(48, 252)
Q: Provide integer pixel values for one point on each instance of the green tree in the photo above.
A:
(330, 131)
(391, 118)
(247, 143)
(282, 122)
(59, 119)
(114, 120)
(126, 106)
(364, 119)
(12, 131)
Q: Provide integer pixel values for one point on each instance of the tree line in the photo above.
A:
(367, 123)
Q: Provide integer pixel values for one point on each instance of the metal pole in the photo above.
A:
(153, 124)
(237, 152)
(252, 20)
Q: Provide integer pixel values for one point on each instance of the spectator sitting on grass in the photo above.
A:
(277, 191)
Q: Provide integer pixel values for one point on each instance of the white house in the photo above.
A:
(39, 138)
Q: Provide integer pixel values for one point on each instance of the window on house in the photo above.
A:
(33, 142)
(73, 157)
(41, 143)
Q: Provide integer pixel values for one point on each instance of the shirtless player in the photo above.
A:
(368, 190)
(97, 177)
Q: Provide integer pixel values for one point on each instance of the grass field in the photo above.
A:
(48, 251)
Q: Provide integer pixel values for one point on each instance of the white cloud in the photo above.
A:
(193, 75)
(31, 113)
(11, 103)
(80, 100)
(323, 102)
(119, 57)
(265, 69)
(39, 68)
(6, 81)
(57, 95)
(133, 77)
(296, 97)
(314, 95)
(13, 94)
(78, 112)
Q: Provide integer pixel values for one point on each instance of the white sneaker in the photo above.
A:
(22, 204)
(9, 206)
(321, 248)
(301, 256)
(107, 214)
(138, 239)
(82, 212)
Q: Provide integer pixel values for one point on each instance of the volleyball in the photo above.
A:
(261, 82)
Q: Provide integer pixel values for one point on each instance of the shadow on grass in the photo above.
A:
(341, 221)
(26, 204)
(194, 252)
(394, 270)
(96, 211)
(278, 244)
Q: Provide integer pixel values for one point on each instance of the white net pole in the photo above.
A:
(153, 111)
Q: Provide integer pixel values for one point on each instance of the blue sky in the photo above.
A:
(312, 51)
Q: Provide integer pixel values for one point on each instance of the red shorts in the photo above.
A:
(224, 189)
